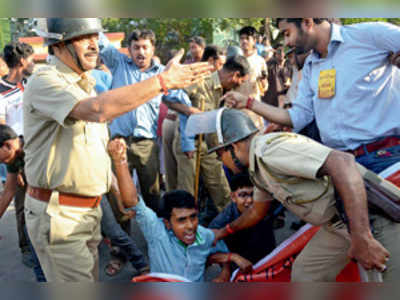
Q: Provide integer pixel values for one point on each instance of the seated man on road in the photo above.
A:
(176, 243)
(246, 243)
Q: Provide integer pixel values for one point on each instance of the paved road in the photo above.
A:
(12, 269)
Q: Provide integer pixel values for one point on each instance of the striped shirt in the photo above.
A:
(11, 105)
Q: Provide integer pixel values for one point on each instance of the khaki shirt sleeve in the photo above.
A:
(299, 157)
(53, 97)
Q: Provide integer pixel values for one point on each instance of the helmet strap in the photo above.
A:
(75, 57)
(236, 160)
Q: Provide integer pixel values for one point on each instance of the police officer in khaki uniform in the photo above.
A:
(209, 91)
(66, 163)
(302, 175)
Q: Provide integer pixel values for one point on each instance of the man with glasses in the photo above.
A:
(246, 243)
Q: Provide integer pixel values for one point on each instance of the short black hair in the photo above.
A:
(199, 40)
(6, 133)
(240, 181)
(14, 52)
(237, 63)
(248, 30)
(144, 34)
(297, 21)
(175, 199)
(212, 51)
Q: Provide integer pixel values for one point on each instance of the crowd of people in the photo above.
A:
(96, 138)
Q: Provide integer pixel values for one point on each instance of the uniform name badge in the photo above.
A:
(327, 84)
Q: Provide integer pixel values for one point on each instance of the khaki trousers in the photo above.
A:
(168, 132)
(325, 256)
(143, 155)
(211, 171)
(65, 239)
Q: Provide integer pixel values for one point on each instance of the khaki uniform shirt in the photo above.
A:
(286, 165)
(210, 91)
(61, 153)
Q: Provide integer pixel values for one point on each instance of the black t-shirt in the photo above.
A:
(17, 166)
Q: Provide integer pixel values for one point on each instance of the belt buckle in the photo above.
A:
(98, 199)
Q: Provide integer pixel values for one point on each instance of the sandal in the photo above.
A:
(114, 266)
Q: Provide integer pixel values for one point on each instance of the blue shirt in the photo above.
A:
(187, 142)
(142, 121)
(103, 80)
(366, 105)
(167, 254)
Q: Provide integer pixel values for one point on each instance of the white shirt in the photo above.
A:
(11, 109)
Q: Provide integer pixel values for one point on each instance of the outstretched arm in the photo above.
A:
(269, 112)
(116, 102)
(341, 167)
(252, 216)
(244, 265)
(117, 150)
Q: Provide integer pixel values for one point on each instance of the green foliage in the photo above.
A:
(5, 34)
(347, 21)
(174, 33)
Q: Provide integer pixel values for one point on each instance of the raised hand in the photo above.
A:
(117, 150)
(177, 75)
(235, 100)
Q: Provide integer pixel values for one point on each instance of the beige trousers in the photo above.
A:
(65, 239)
(325, 256)
(211, 171)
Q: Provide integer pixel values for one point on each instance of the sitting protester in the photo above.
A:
(247, 243)
(176, 243)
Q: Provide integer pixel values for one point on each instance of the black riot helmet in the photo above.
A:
(235, 125)
(64, 29)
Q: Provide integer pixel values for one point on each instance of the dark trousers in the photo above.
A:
(19, 202)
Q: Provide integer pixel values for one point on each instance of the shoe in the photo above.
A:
(27, 259)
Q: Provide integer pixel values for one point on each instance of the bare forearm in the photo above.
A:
(127, 189)
(249, 218)
(116, 193)
(116, 102)
(272, 113)
(9, 192)
(350, 186)
(178, 107)
(219, 258)
(5, 201)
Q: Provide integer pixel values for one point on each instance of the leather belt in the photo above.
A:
(388, 142)
(64, 198)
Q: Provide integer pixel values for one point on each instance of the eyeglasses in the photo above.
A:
(245, 194)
